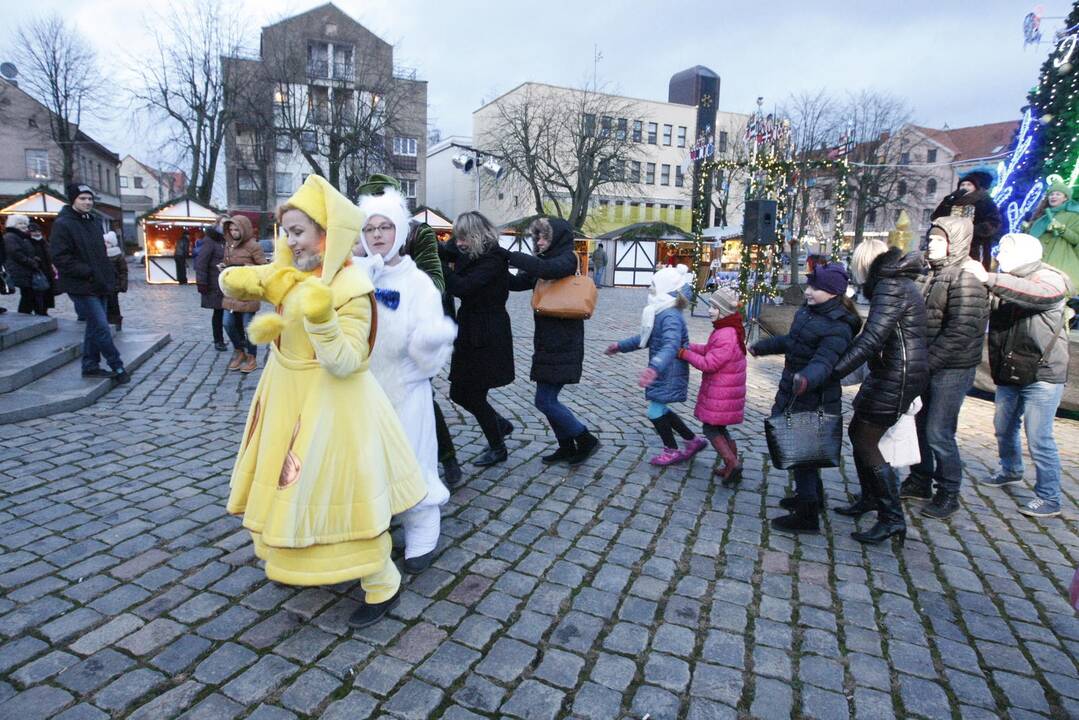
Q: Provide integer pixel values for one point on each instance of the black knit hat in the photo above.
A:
(76, 189)
(981, 179)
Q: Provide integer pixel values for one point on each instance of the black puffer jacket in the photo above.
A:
(892, 343)
(818, 337)
(22, 258)
(558, 344)
(956, 303)
(483, 351)
(78, 252)
(207, 269)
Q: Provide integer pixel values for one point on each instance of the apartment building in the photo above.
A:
(143, 188)
(322, 94)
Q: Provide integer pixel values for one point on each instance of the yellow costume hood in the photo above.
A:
(342, 221)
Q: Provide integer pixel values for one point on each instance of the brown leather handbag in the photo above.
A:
(569, 298)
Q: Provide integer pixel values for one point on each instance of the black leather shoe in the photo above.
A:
(121, 377)
(220, 346)
(566, 450)
(802, 519)
(859, 507)
(416, 565)
(491, 456)
(587, 444)
(369, 614)
(451, 472)
(97, 373)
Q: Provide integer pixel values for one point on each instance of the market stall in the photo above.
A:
(639, 249)
(514, 237)
(42, 205)
(165, 230)
(443, 228)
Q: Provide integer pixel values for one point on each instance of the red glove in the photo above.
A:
(648, 376)
(681, 353)
(799, 383)
(612, 349)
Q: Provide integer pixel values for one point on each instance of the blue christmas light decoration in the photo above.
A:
(1003, 192)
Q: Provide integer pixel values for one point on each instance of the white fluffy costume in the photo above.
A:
(415, 340)
(323, 463)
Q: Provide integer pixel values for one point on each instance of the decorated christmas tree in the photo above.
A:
(1047, 142)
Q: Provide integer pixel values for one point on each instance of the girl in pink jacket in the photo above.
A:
(722, 398)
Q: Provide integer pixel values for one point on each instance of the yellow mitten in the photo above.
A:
(265, 327)
(241, 283)
(316, 301)
(280, 282)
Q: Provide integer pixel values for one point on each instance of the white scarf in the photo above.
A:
(656, 305)
(667, 284)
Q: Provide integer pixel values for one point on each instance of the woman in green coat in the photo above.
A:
(1056, 224)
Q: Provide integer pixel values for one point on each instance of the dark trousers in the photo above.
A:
(181, 270)
(474, 401)
(97, 338)
(562, 420)
(808, 485)
(236, 326)
(112, 308)
(937, 422)
(32, 301)
(442, 435)
(865, 440)
(217, 325)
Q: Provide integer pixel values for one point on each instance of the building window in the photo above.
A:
(138, 181)
(37, 164)
(848, 217)
(931, 156)
(619, 209)
(605, 126)
(283, 183)
(404, 146)
(723, 141)
(282, 143)
(904, 158)
(679, 178)
(665, 174)
(408, 188)
(638, 127)
(667, 130)
(871, 217)
(623, 127)
(604, 206)
(901, 188)
(925, 215)
(309, 141)
(931, 187)
(634, 171)
(123, 181)
(589, 125)
(318, 60)
(650, 174)
(825, 215)
(342, 62)
(681, 136)
(652, 129)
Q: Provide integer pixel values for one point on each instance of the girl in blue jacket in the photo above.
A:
(664, 332)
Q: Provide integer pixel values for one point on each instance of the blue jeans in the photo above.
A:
(1034, 405)
(564, 423)
(97, 338)
(597, 274)
(236, 327)
(937, 422)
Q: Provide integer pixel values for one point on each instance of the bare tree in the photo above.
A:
(185, 83)
(565, 146)
(341, 114)
(61, 70)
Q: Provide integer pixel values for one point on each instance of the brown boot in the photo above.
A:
(250, 364)
(237, 358)
(731, 472)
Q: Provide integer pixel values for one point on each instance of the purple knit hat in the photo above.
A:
(831, 278)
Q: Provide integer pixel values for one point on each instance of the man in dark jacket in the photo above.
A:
(972, 199)
(88, 277)
(1028, 319)
(957, 311)
(183, 249)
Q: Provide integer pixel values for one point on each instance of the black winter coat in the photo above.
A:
(892, 343)
(211, 254)
(957, 316)
(817, 338)
(22, 258)
(78, 251)
(483, 350)
(558, 343)
(987, 221)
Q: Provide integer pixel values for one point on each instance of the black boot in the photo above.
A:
(451, 471)
(864, 502)
(943, 505)
(916, 488)
(369, 614)
(566, 450)
(889, 510)
(491, 456)
(587, 444)
(791, 502)
(802, 519)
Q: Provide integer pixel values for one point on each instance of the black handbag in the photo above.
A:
(39, 282)
(808, 439)
(1020, 367)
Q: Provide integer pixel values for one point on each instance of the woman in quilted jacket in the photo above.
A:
(721, 401)
(893, 346)
(820, 334)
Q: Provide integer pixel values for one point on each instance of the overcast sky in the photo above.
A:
(956, 63)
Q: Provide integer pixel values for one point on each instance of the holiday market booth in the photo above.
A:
(42, 205)
(163, 229)
(640, 248)
(443, 228)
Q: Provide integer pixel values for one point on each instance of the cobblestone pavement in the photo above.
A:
(615, 590)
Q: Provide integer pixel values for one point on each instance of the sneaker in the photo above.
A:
(669, 456)
(693, 447)
(1001, 479)
(1038, 508)
(121, 377)
(220, 346)
(96, 373)
(914, 488)
(943, 505)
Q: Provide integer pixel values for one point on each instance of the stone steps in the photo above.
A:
(22, 363)
(16, 329)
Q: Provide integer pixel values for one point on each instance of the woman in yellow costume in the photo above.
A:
(324, 462)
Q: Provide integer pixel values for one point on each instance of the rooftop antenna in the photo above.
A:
(596, 57)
